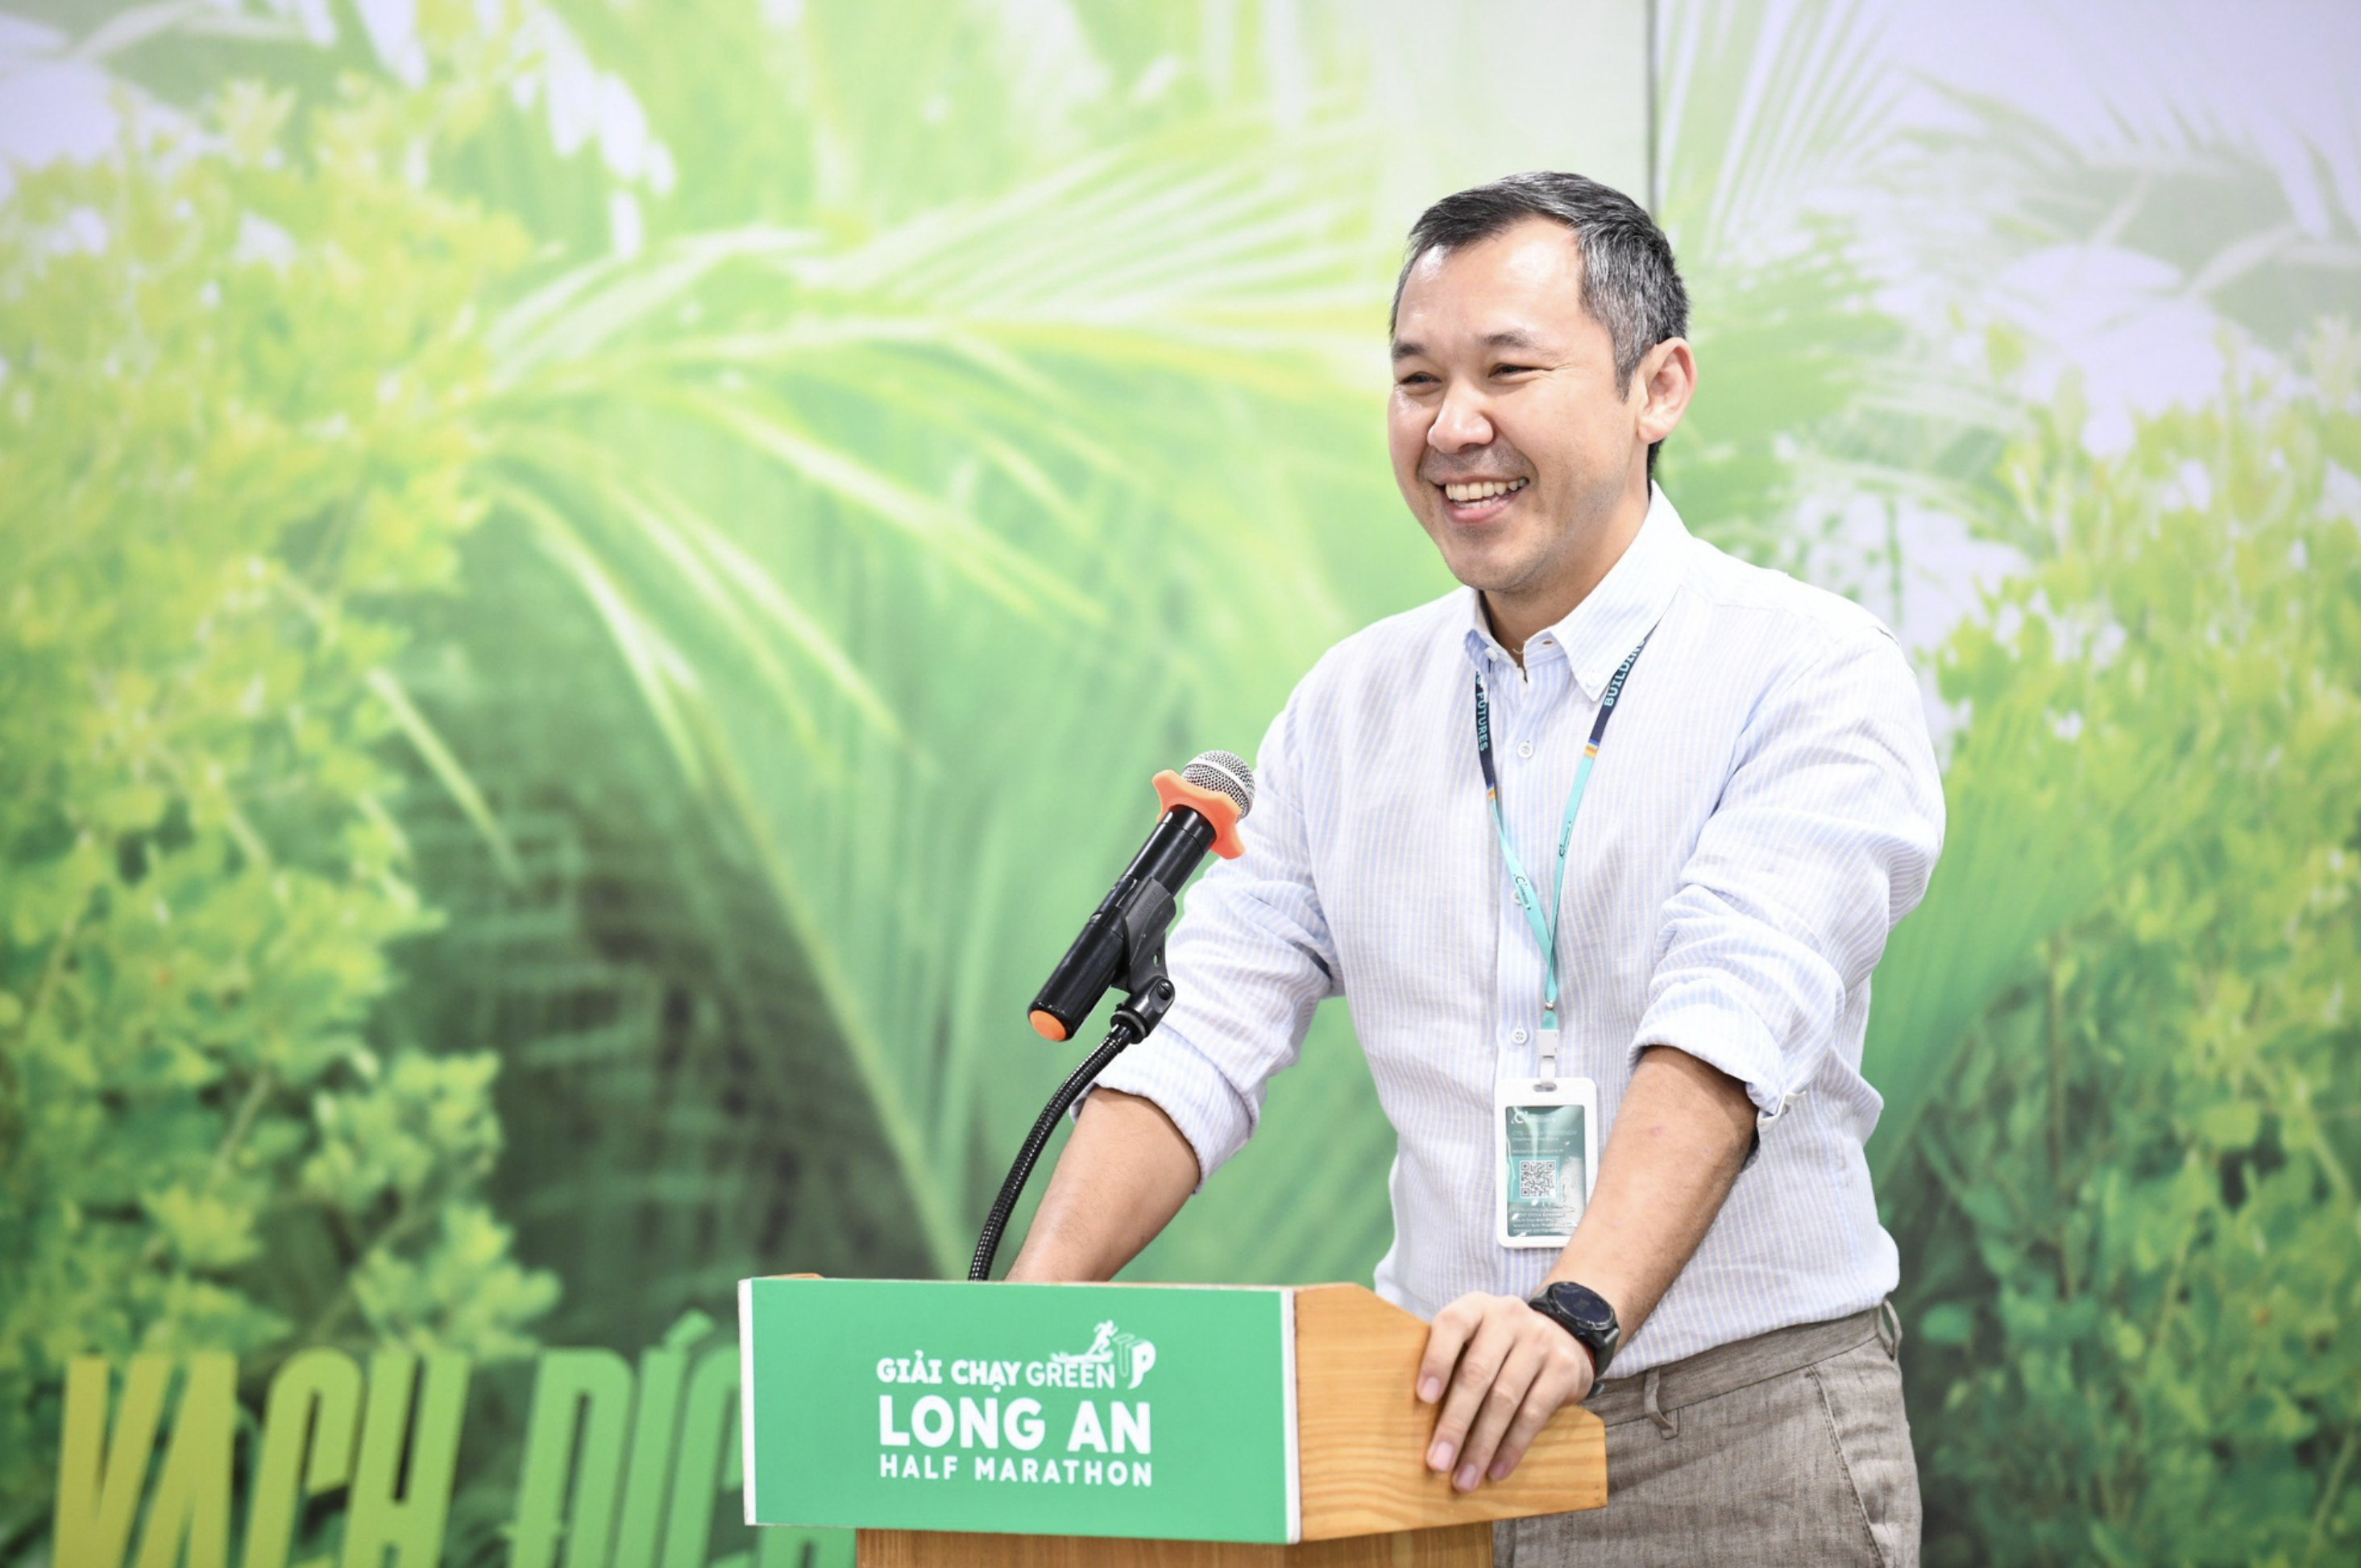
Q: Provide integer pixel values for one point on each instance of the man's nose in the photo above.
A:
(1461, 423)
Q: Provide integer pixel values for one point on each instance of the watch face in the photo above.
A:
(1585, 1307)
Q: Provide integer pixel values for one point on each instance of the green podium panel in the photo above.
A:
(1163, 1413)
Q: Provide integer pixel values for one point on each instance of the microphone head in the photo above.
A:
(1226, 775)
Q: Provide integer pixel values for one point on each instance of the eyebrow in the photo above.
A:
(1512, 338)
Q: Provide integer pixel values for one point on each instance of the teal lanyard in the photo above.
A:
(1545, 924)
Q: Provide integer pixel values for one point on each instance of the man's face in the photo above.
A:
(1511, 440)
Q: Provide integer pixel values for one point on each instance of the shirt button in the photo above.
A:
(1525, 750)
(1516, 1037)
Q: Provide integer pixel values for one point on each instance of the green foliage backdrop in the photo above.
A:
(2137, 1272)
(588, 588)
(218, 472)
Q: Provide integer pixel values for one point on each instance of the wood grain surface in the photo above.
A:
(1457, 1546)
(1363, 1433)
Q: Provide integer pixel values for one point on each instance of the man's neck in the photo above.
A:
(1517, 616)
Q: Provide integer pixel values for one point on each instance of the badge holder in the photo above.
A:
(1544, 1152)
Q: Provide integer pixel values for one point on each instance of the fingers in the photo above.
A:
(1499, 1406)
(1446, 1337)
(1487, 1349)
(1563, 1380)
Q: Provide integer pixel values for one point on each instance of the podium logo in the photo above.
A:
(929, 1438)
(1127, 1356)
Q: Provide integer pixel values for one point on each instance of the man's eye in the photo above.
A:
(1510, 369)
(1417, 378)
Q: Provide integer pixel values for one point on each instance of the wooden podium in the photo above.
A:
(1324, 1469)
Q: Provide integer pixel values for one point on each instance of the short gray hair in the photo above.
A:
(1630, 285)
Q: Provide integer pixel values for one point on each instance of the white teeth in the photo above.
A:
(1482, 490)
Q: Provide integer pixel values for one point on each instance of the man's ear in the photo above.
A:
(1664, 382)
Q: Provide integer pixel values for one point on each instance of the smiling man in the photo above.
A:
(1550, 928)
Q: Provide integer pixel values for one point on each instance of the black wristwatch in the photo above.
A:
(1583, 1314)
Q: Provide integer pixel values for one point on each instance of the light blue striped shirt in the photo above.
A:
(1765, 807)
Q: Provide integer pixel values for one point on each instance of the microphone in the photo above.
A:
(1203, 803)
(1123, 943)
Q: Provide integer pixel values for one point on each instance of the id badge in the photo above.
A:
(1545, 1158)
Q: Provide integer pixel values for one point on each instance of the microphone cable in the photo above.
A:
(1129, 1028)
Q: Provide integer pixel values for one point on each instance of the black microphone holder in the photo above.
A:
(1148, 996)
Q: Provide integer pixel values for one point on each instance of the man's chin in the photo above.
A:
(1489, 571)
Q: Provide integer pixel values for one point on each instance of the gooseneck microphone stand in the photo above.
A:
(1149, 992)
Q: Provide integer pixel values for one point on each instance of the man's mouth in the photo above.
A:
(1466, 492)
(1479, 501)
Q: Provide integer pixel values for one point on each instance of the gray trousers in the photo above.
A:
(1790, 1448)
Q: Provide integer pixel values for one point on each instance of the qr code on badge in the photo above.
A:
(1536, 1180)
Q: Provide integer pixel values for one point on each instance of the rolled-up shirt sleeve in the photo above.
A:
(1251, 961)
(1822, 842)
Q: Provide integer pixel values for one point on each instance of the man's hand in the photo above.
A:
(1507, 1369)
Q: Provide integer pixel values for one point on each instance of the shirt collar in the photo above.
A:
(1599, 633)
